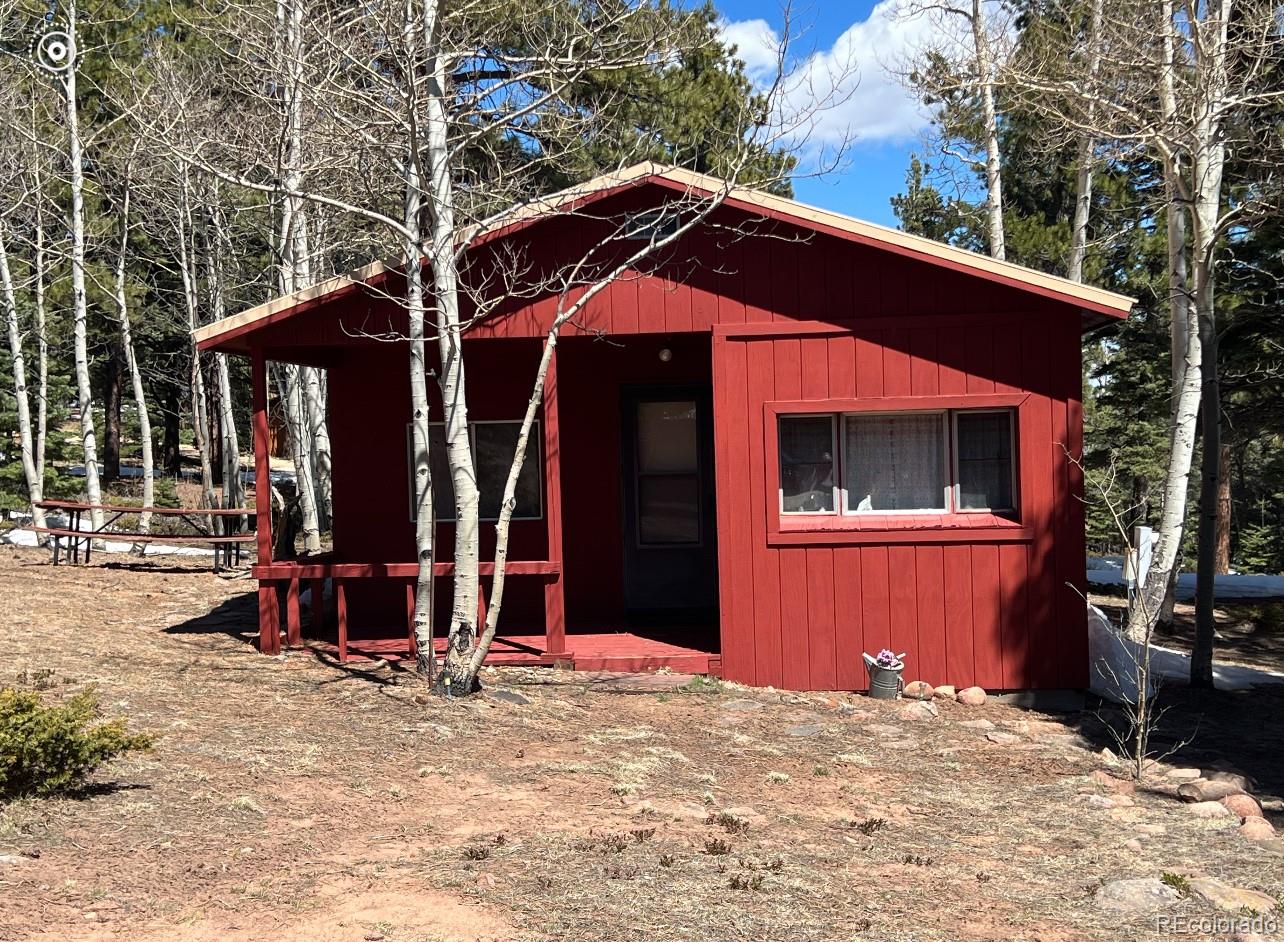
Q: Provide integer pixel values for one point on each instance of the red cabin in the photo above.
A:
(793, 438)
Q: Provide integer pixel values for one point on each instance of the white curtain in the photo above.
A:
(895, 462)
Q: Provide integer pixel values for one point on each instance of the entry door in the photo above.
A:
(670, 554)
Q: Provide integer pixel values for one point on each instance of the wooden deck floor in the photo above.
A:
(613, 651)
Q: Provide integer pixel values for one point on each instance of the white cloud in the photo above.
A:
(848, 92)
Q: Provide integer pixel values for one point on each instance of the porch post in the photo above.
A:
(554, 596)
(269, 610)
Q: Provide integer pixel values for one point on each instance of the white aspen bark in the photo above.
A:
(295, 272)
(35, 483)
(989, 113)
(1084, 157)
(459, 455)
(1178, 272)
(1207, 165)
(196, 376)
(79, 300)
(425, 520)
(287, 375)
(319, 442)
(233, 489)
(42, 339)
(135, 374)
(233, 492)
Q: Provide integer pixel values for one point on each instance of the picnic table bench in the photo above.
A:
(227, 544)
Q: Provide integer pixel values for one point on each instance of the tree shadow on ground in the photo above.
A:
(237, 617)
(1231, 730)
(91, 790)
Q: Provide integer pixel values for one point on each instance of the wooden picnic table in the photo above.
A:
(227, 544)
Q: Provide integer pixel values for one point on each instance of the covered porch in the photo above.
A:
(575, 574)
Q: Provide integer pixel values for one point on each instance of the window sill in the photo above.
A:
(834, 529)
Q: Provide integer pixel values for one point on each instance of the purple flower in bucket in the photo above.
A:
(889, 659)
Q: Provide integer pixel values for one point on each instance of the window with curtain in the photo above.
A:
(493, 444)
(894, 462)
(907, 462)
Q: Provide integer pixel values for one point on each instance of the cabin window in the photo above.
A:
(983, 460)
(897, 463)
(651, 225)
(493, 446)
(807, 479)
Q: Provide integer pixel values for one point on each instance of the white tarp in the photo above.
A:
(1113, 661)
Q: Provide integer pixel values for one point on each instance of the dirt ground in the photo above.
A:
(291, 799)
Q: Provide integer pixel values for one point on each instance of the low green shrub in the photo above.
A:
(48, 749)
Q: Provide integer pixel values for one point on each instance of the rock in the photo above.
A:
(978, 724)
(805, 730)
(918, 690)
(1133, 845)
(919, 710)
(1209, 809)
(11, 860)
(1257, 829)
(971, 696)
(1183, 775)
(1145, 895)
(884, 729)
(1245, 806)
(1241, 782)
(1152, 829)
(1003, 739)
(945, 692)
(509, 696)
(742, 705)
(1231, 898)
(1204, 790)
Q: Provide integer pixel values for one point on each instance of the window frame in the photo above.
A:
(534, 439)
(956, 488)
(889, 527)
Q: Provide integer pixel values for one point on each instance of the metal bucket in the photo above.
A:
(884, 682)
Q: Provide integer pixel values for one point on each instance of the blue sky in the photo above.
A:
(885, 122)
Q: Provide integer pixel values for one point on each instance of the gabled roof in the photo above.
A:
(1098, 301)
